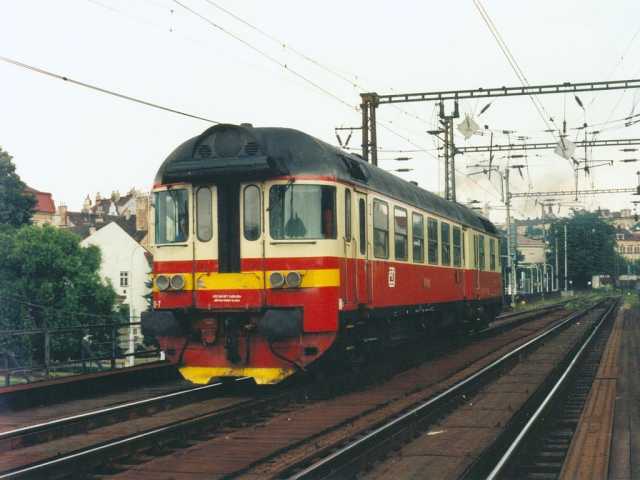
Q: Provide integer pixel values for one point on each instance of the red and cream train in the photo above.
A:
(273, 250)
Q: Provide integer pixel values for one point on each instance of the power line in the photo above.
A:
(103, 90)
(283, 65)
(512, 62)
(302, 55)
(264, 54)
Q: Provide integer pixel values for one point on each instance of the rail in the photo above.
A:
(340, 463)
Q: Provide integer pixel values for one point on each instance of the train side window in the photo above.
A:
(400, 233)
(492, 254)
(251, 212)
(203, 214)
(481, 252)
(432, 233)
(347, 215)
(445, 239)
(362, 214)
(457, 247)
(475, 251)
(380, 229)
(417, 236)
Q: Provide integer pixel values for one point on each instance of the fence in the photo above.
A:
(78, 343)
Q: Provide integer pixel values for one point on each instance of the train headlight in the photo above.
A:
(276, 279)
(294, 279)
(177, 282)
(162, 282)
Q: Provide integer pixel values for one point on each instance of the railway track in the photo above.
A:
(536, 444)
(120, 452)
(361, 452)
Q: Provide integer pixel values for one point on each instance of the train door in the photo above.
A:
(348, 270)
(251, 219)
(361, 251)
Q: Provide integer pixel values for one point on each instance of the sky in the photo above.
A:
(304, 67)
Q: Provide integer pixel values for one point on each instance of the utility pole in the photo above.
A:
(566, 276)
(557, 272)
(449, 152)
(512, 274)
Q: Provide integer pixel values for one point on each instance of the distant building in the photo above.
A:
(127, 265)
(532, 250)
(628, 244)
(45, 209)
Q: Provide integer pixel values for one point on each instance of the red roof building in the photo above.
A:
(45, 209)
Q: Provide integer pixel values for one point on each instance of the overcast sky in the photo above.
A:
(72, 141)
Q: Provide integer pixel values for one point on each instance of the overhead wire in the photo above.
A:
(504, 48)
(354, 83)
(96, 88)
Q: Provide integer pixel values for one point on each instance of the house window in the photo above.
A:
(124, 279)
(400, 232)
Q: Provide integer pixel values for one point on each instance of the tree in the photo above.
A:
(16, 205)
(590, 248)
(48, 278)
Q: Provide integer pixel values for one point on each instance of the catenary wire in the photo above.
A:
(103, 90)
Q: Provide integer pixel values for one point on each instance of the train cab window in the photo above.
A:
(417, 237)
(172, 216)
(298, 212)
(362, 214)
(203, 214)
(400, 233)
(432, 234)
(492, 254)
(380, 229)
(445, 239)
(457, 247)
(481, 252)
(347, 215)
(251, 216)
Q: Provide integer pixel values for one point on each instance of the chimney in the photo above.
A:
(142, 212)
(86, 205)
(62, 215)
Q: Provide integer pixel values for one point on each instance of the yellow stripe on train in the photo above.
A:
(255, 280)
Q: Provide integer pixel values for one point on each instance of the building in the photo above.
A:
(44, 211)
(628, 244)
(532, 250)
(126, 265)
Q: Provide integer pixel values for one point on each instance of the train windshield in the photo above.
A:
(172, 216)
(302, 212)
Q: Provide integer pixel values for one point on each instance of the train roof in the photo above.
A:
(244, 152)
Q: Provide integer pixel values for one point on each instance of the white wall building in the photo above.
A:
(125, 264)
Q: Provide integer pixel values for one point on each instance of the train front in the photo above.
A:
(246, 271)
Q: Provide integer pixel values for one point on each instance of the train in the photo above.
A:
(275, 251)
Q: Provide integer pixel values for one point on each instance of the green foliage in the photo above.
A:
(590, 248)
(16, 205)
(534, 232)
(48, 278)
